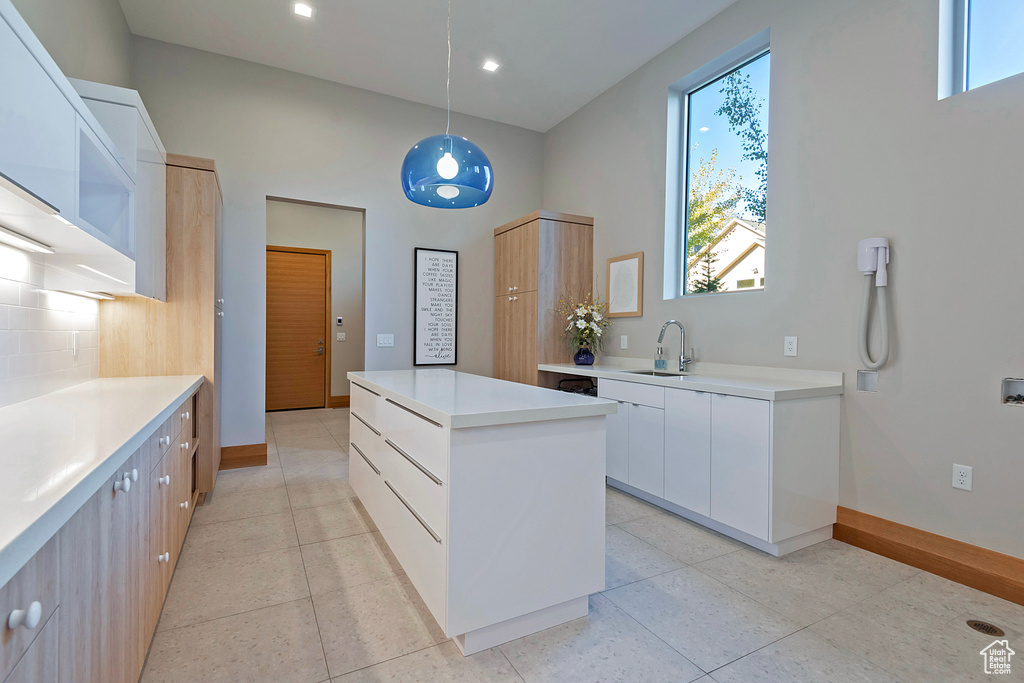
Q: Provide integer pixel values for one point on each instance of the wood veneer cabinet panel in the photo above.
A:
(139, 337)
(543, 257)
(40, 663)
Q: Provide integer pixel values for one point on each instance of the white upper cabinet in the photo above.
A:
(123, 116)
(37, 128)
(63, 181)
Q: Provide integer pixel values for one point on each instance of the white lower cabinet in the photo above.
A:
(766, 472)
(647, 448)
(688, 449)
(617, 443)
(739, 463)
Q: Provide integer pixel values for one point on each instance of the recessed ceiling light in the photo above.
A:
(491, 65)
(303, 10)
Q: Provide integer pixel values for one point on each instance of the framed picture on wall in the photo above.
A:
(626, 286)
(436, 318)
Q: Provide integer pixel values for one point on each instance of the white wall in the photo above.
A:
(89, 39)
(275, 133)
(859, 147)
(36, 328)
(339, 231)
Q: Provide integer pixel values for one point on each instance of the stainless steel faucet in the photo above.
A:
(683, 360)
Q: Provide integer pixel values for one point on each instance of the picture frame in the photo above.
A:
(435, 326)
(625, 286)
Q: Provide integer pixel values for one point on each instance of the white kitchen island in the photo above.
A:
(489, 493)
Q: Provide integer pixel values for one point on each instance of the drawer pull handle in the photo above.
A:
(184, 506)
(164, 480)
(368, 425)
(185, 446)
(166, 557)
(411, 459)
(363, 455)
(164, 440)
(135, 475)
(371, 391)
(29, 618)
(124, 483)
(186, 415)
(414, 513)
(413, 412)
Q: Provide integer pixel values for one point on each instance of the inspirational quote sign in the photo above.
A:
(436, 323)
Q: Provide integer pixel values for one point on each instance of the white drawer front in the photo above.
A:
(631, 392)
(365, 443)
(364, 405)
(420, 439)
(423, 491)
(423, 558)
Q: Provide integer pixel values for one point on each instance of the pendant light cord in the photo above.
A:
(448, 83)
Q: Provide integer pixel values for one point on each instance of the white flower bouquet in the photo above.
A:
(585, 322)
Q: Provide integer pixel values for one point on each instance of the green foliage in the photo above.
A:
(706, 280)
(742, 108)
(712, 200)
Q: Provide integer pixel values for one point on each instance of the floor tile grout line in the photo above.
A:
(518, 673)
(227, 616)
(677, 559)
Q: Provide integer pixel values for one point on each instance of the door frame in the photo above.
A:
(327, 312)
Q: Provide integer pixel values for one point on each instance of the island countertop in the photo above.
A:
(459, 400)
(56, 451)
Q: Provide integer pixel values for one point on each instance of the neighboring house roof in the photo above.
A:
(755, 231)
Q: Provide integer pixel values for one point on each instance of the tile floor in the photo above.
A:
(283, 577)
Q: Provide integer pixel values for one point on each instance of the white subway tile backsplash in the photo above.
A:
(36, 329)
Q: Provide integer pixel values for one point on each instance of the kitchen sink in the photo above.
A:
(653, 373)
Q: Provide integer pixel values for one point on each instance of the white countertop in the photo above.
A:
(57, 450)
(458, 399)
(750, 381)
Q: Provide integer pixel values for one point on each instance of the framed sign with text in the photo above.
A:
(436, 301)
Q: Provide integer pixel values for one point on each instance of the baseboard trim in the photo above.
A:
(339, 401)
(249, 455)
(986, 570)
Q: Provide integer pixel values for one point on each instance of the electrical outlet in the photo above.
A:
(789, 349)
(623, 342)
(385, 340)
(963, 477)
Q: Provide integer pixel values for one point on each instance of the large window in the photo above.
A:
(988, 37)
(724, 181)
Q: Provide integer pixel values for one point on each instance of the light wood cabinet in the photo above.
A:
(36, 582)
(141, 337)
(538, 259)
(40, 663)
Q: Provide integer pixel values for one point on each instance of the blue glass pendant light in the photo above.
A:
(447, 171)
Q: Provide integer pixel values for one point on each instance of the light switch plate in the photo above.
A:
(341, 336)
(789, 349)
(623, 342)
(384, 340)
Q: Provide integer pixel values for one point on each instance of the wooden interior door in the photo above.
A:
(298, 306)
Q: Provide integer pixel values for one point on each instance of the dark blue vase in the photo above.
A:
(584, 356)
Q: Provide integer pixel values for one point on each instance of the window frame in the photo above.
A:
(677, 165)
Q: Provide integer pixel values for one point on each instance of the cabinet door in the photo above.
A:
(503, 275)
(617, 443)
(37, 127)
(524, 249)
(40, 662)
(524, 336)
(688, 449)
(134, 544)
(163, 482)
(647, 449)
(502, 327)
(150, 216)
(97, 553)
(739, 463)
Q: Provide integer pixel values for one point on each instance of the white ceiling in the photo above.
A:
(555, 55)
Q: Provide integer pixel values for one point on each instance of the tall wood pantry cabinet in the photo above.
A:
(538, 259)
(140, 337)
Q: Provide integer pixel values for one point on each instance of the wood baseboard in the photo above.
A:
(339, 401)
(249, 455)
(986, 570)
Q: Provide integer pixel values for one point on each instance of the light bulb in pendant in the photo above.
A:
(448, 191)
(447, 166)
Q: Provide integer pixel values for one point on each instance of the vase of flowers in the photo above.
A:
(585, 321)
